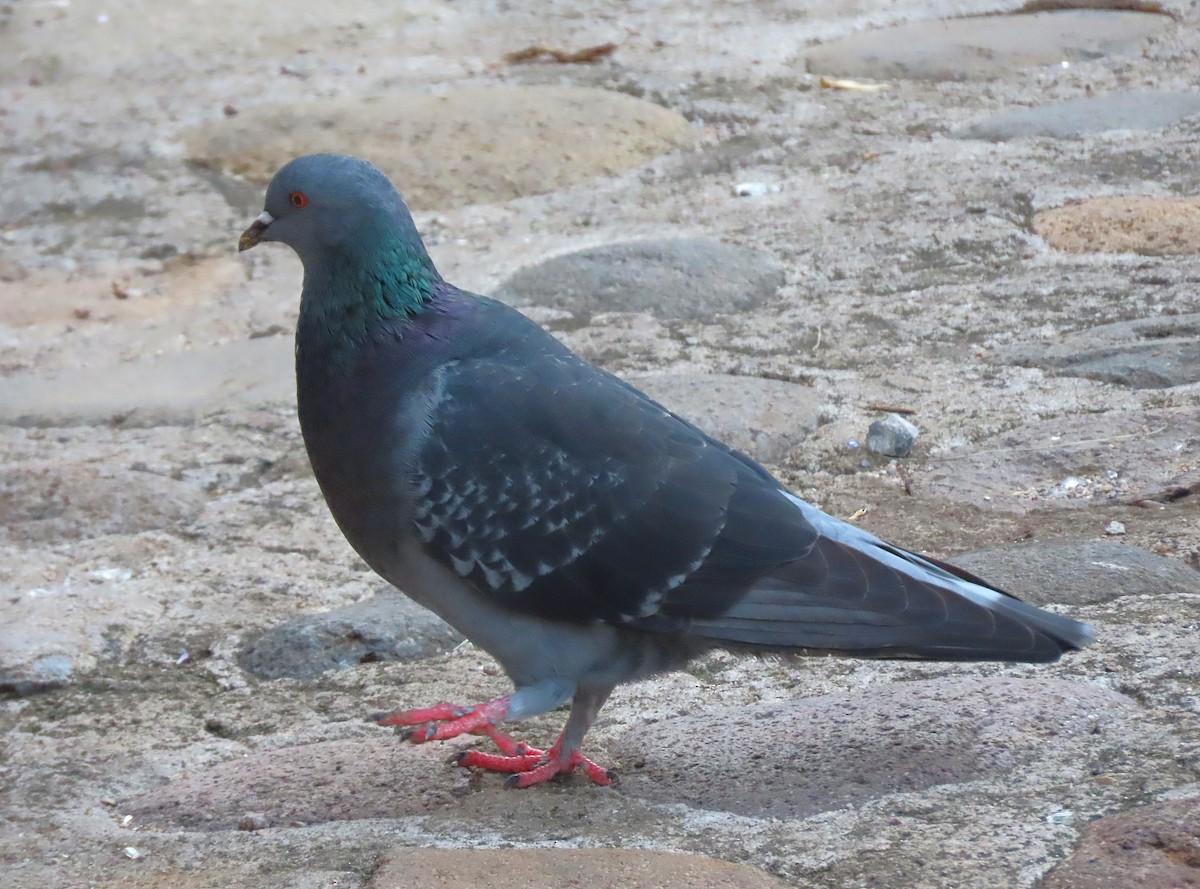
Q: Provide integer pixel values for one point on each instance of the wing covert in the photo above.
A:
(561, 491)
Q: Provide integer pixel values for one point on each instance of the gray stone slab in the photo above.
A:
(984, 47)
(1080, 572)
(51, 501)
(1147, 110)
(682, 279)
(1147, 353)
(387, 627)
(819, 754)
(1070, 461)
(377, 777)
(173, 389)
(766, 419)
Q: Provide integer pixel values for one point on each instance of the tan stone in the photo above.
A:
(594, 868)
(1123, 224)
(1151, 847)
(486, 144)
(114, 295)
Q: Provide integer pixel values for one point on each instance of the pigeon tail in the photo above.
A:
(877, 600)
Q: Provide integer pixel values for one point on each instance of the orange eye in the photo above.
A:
(299, 199)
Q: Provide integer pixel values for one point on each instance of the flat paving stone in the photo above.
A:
(405, 867)
(1146, 353)
(486, 143)
(348, 780)
(1147, 110)
(173, 389)
(984, 47)
(386, 627)
(233, 876)
(1080, 572)
(50, 501)
(1149, 226)
(821, 753)
(1150, 847)
(682, 279)
(766, 419)
(1070, 462)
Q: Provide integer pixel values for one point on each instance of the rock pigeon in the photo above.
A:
(577, 531)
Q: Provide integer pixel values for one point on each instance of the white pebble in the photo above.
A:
(1114, 529)
(750, 189)
(102, 575)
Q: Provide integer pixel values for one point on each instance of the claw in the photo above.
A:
(512, 782)
(416, 735)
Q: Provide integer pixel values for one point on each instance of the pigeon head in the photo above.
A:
(326, 206)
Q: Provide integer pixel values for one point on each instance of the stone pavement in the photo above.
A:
(980, 217)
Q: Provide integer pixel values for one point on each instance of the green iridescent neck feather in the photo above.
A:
(354, 289)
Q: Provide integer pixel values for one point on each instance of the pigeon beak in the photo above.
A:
(254, 233)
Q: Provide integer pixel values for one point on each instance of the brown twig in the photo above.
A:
(890, 408)
(579, 57)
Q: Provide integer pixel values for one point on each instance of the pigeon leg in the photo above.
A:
(531, 766)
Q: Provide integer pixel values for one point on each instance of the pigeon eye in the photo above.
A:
(299, 199)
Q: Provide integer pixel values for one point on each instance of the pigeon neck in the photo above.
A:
(354, 288)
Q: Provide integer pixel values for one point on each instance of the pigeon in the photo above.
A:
(579, 532)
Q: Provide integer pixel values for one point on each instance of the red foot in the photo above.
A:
(528, 765)
(455, 720)
(531, 766)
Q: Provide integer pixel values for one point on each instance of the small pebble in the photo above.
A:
(1114, 529)
(252, 821)
(750, 189)
(133, 853)
(893, 436)
(1066, 816)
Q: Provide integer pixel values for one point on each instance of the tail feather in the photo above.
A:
(857, 594)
